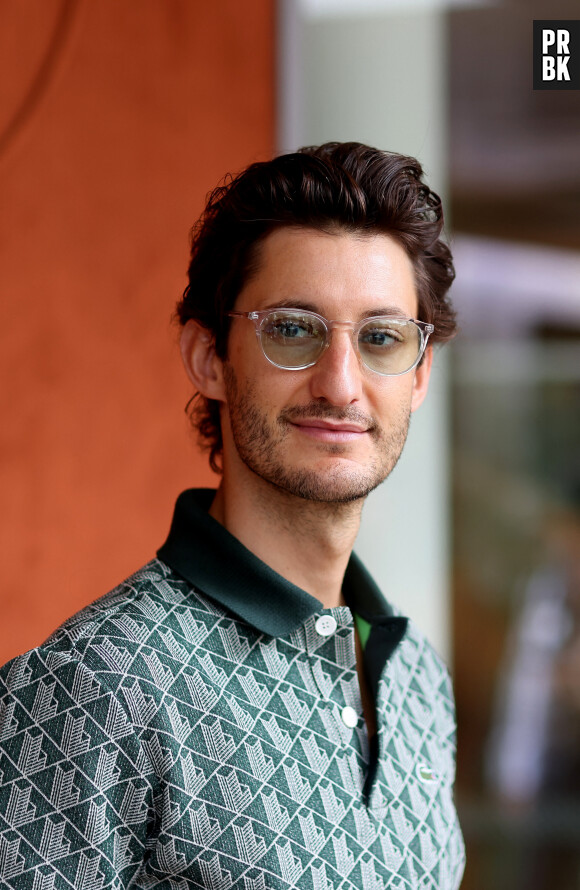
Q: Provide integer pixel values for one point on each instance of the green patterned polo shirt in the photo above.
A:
(201, 726)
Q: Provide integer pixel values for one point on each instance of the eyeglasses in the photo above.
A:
(293, 339)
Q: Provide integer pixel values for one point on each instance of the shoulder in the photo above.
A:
(149, 592)
(153, 609)
(105, 673)
(427, 678)
(422, 652)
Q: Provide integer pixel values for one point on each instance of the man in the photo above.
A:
(247, 710)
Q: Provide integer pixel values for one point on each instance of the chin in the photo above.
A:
(336, 486)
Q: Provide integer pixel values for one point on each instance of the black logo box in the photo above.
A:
(573, 65)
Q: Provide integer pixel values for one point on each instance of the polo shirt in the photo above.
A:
(201, 726)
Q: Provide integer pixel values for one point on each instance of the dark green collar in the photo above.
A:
(203, 552)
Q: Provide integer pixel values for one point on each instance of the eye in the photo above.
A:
(381, 336)
(290, 328)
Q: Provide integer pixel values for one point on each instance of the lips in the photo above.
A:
(339, 427)
(341, 432)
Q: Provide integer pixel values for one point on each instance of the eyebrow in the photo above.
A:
(311, 307)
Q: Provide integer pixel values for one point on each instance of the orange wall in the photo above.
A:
(117, 117)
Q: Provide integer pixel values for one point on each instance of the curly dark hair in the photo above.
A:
(346, 186)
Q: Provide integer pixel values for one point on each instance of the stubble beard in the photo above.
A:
(258, 444)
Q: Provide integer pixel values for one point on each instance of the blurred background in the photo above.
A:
(116, 119)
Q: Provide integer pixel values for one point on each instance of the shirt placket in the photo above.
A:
(330, 645)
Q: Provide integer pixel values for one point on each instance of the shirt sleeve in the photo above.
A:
(75, 799)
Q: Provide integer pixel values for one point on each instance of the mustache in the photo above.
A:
(318, 411)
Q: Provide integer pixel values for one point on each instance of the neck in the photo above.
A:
(276, 526)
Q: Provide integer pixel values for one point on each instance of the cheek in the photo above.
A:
(241, 352)
(392, 394)
(271, 389)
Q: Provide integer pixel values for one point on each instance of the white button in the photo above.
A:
(425, 773)
(325, 625)
(349, 717)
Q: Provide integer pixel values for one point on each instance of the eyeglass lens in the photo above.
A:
(296, 340)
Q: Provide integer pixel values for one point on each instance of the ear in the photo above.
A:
(203, 367)
(421, 381)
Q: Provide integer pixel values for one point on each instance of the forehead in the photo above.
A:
(336, 273)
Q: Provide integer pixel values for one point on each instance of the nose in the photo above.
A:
(336, 377)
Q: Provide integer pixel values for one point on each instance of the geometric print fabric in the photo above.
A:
(156, 740)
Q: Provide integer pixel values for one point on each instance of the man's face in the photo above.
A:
(332, 432)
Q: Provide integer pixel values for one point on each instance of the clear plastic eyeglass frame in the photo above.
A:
(259, 317)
